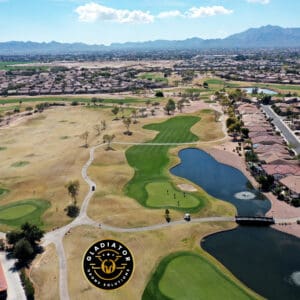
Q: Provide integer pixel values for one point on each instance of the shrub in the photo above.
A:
(72, 211)
(28, 287)
(296, 202)
(159, 94)
(74, 103)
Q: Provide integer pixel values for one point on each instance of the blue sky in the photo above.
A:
(108, 21)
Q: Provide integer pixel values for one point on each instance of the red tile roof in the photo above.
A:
(292, 182)
(267, 139)
(282, 169)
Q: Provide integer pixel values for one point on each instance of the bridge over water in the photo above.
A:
(254, 221)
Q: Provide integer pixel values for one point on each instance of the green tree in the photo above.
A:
(127, 123)
(148, 102)
(13, 237)
(266, 182)
(230, 121)
(73, 189)
(103, 125)
(108, 138)
(134, 115)
(156, 105)
(245, 132)
(170, 106)
(167, 215)
(23, 250)
(266, 99)
(72, 210)
(97, 128)
(115, 110)
(32, 233)
(180, 105)
(159, 94)
(85, 136)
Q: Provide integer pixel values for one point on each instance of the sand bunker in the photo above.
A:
(187, 187)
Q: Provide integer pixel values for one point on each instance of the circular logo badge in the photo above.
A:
(108, 264)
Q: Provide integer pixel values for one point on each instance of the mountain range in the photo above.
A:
(263, 37)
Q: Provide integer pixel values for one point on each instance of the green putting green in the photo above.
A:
(150, 164)
(17, 213)
(163, 194)
(186, 275)
(14, 212)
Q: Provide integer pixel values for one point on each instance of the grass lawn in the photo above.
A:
(185, 275)
(157, 77)
(283, 87)
(30, 210)
(160, 195)
(126, 100)
(8, 108)
(8, 65)
(150, 164)
(3, 191)
(215, 81)
(3, 148)
(12, 66)
(20, 164)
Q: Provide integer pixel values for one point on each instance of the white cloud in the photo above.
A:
(169, 14)
(259, 1)
(207, 11)
(92, 12)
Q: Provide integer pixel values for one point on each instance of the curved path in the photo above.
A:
(56, 236)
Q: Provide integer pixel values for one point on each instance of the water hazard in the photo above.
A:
(266, 260)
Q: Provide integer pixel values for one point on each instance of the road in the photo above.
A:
(285, 130)
(15, 289)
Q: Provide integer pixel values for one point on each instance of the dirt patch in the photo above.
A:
(44, 275)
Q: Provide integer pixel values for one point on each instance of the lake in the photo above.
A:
(260, 90)
(264, 259)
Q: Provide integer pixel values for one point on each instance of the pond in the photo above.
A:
(221, 181)
(264, 259)
(249, 90)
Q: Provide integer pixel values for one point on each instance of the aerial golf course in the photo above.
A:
(134, 188)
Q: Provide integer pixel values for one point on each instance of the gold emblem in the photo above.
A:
(108, 264)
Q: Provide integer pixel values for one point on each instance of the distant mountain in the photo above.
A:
(263, 37)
